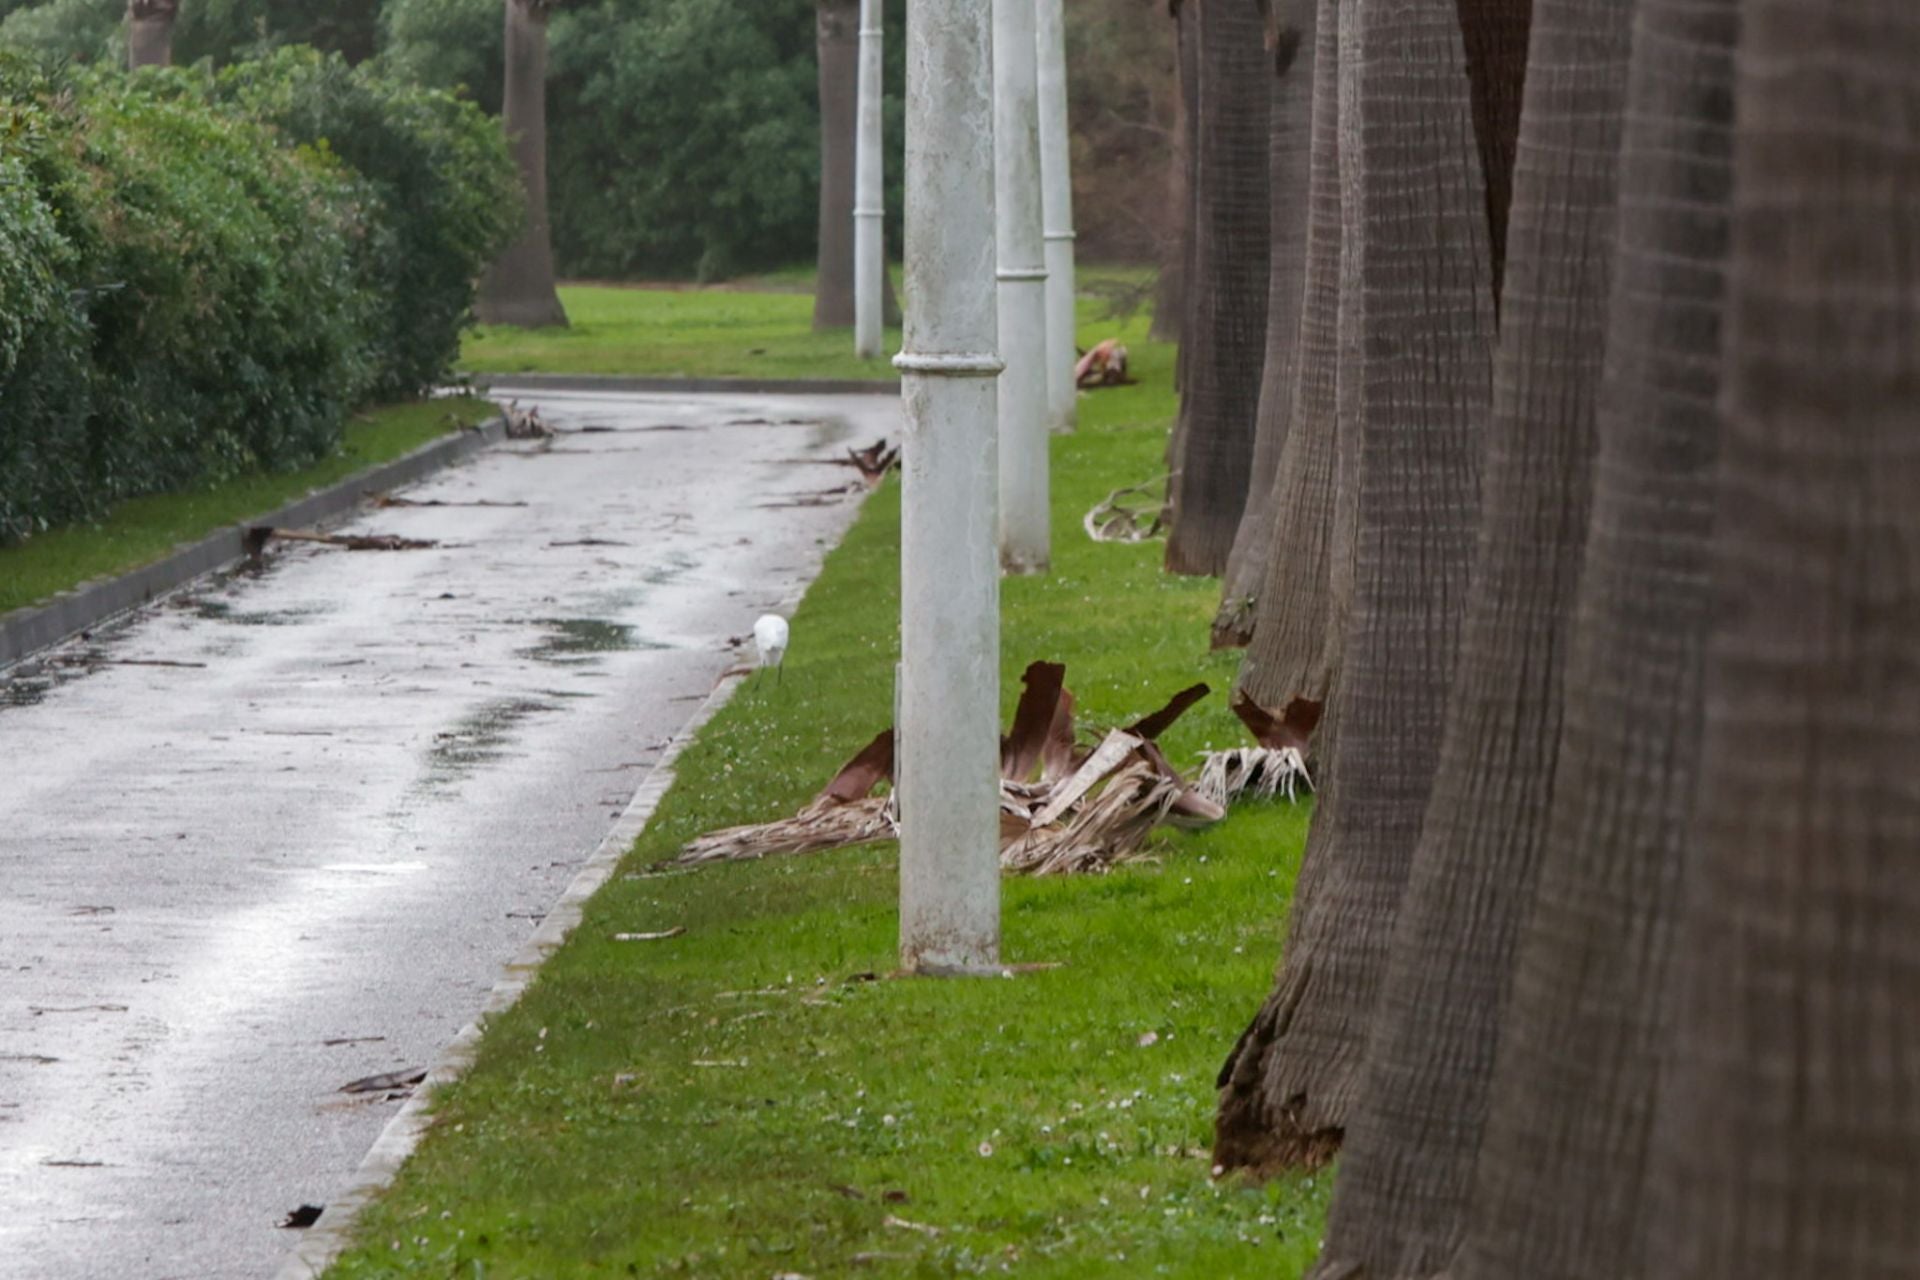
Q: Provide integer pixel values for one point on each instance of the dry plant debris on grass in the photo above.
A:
(1062, 808)
(1131, 513)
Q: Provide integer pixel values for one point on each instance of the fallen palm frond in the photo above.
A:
(1086, 810)
(525, 424)
(1115, 519)
(1278, 766)
(1252, 773)
(1103, 366)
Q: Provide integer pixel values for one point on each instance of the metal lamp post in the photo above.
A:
(869, 200)
(948, 753)
(1056, 200)
(1024, 510)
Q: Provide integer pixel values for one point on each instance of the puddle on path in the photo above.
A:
(477, 740)
(222, 611)
(575, 640)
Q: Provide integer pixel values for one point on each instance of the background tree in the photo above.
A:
(1176, 248)
(1560, 1191)
(1225, 325)
(838, 29)
(150, 32)
(839, 44)
(1417, 233)
(1290, 39)
(1406, 1171)
(519, 287)
(1788, 1123)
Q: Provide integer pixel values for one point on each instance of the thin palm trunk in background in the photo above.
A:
(1224, 333)
(1406, 1170)
(519, 289)
(1286, 610)
(150, 32)
(1560, 1191)
(1291, 30)
(1425, 348)
(837, 37)
(1789, 1116)
(1176, 255)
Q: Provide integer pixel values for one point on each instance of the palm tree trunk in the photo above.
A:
(1788, 1124)
(519, 288)
(1288, 657)
(1407, 1167)
(1560, 1192)
(1424, 344)
(1225, 339)
(1170, 289)
(150, 32)
(1291, 30)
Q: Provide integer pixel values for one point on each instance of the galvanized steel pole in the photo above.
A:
(869, 200)
(1056, 201)
(948, 753)
(1024, 511)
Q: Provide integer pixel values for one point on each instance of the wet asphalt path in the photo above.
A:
(228, 888)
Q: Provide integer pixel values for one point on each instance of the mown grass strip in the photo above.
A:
(757, 1098)
(143, 529)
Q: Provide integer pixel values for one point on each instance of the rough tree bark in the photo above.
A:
(1291, 36)
(1224, 334)
(1286, 612)
(1424, 346)
(519, 288)
(150, 32)
(1406, 1170)
(1789, 1119)
(1560, 1191)
(1170, 289)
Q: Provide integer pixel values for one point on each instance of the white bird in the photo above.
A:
(770, 638)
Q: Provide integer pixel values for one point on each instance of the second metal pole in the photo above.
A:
(1056, 200)
(1024, 499)
(869, 199)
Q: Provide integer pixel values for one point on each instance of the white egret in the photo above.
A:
(770, 638)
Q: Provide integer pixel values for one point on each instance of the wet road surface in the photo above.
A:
(301, 856)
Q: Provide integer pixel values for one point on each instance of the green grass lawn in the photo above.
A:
(732, 331)
(144, 529)
(742, 1101)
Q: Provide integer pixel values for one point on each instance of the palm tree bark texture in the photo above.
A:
(1291, 28)
(1288, 658)
(1407, 1167)
(1424, 346)
(519, 288)
(1560, 1191)
(150, 32)
(1224, 333)
(1790, 1117)
(1176, 259)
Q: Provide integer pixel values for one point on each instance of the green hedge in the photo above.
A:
(199, 283)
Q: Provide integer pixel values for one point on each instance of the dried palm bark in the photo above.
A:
(1406, 1170)
(1786, 1133)
(1560, 1191)
(1418, 235)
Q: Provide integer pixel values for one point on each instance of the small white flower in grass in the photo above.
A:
(986, 1149)
(888, 1121)
(1149, 1039)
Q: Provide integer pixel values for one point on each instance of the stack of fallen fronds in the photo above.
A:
(1278, 766)
(1123, 517)
(1061, 809)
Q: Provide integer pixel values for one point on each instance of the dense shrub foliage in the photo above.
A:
(445, 199)
(198, 283)
(683, 135)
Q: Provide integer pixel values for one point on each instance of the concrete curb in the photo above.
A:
(330, 1236)
(590, 382)
(22, 631)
